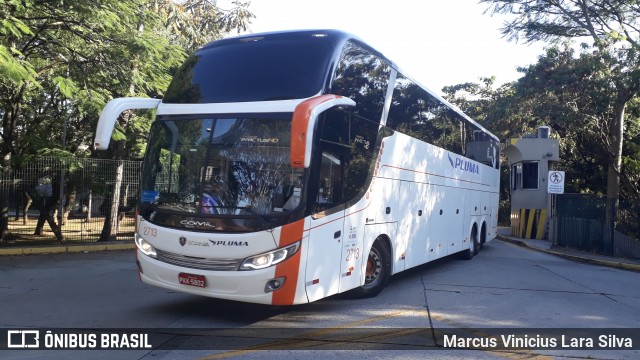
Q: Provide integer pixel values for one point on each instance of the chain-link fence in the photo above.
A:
(52, 200)
(583, 225)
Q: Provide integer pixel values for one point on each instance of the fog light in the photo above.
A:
(273, 285)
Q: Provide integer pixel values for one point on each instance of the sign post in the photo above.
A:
(555, 185)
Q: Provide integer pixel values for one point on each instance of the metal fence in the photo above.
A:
(75, 194)
(582, 224)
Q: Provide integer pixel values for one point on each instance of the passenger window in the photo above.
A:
(363, 77)
(413, 111)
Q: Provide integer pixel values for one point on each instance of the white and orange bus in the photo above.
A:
(286, 167)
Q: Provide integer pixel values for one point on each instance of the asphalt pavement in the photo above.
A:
(504, 234)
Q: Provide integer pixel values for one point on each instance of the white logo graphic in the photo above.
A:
(23, 339)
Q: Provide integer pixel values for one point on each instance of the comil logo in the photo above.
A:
(23, 339)
(192, 223)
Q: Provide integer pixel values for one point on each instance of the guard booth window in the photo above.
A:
(516, 176)
(524, 176)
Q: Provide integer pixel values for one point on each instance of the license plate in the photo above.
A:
(192, 280)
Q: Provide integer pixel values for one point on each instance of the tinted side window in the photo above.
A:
(413, 110)
(452, 131)
(363, 77)
(481, 147)
(417, 113)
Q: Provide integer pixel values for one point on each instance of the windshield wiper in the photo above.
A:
(171, 207)
(264, 220)
(149, 208)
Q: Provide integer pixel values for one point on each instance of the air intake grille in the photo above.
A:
(198, 262)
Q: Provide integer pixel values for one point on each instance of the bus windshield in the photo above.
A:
(254, 69)
(219, 167)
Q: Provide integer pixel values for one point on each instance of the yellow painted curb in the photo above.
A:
(66, 248)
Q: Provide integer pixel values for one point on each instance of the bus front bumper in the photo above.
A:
(246, 286)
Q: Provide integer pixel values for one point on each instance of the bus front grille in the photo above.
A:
(198, 262)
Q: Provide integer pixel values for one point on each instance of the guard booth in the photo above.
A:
(530, 159)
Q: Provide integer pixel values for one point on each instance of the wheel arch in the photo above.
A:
(473, 230)
(483, 232)
(365, 290)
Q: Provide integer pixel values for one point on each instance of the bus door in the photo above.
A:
(352, 252)
(326, 231)
(325, 244)
(344, 150)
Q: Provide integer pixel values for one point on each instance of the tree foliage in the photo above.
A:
(62, 60)
(192, 23)
(613, 28)
(571, 93)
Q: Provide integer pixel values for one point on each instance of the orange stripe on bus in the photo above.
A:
(289, 268)
(291, 233)
(299, 135)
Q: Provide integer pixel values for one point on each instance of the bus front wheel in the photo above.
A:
(377, 272)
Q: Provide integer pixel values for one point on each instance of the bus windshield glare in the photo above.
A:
(219, 167)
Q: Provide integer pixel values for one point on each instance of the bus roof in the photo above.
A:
(310, 80)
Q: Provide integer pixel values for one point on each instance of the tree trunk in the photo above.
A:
(110, 228)
(55, 228)
(70, 197)
(89, 206)
(10, 114)
(4, 219)
(4, 205)
(26, 204)
(616, 138)
(17, 192)
(615, 167)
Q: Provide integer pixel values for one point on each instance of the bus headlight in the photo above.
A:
(269, 259)
(145, 247)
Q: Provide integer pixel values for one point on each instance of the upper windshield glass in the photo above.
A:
(263, 69)
(217, 166)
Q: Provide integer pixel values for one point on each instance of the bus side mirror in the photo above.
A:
(305, 117)
(110, 115)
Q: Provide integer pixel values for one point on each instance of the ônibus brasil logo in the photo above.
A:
(464, 165)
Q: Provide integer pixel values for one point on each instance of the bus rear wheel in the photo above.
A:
(377, 272)
(474, 246)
